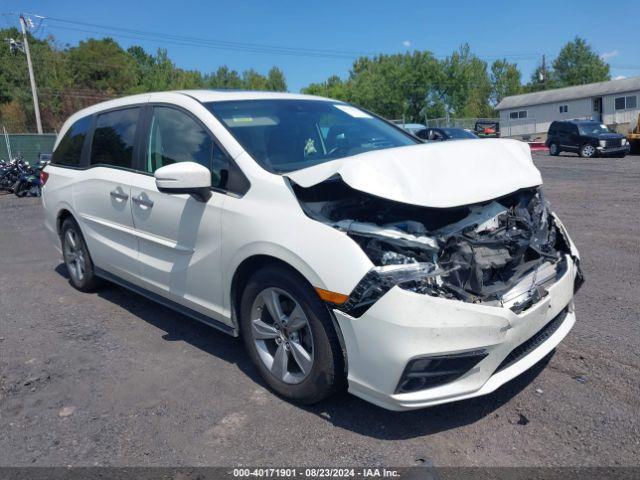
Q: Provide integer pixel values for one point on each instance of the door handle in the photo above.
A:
(143, 201)
(119, 194)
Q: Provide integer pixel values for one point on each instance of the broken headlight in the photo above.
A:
(379, 280)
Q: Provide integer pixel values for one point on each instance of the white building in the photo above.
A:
(615, 103)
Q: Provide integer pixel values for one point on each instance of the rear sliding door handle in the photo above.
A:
(119, 194)
(143, 201)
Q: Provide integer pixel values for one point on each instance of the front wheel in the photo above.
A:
(554, 150)
(587, 151)
(290, 337)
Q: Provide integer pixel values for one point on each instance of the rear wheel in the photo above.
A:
(76, 257)
(587, 151)
(289, 335)
(554, 149)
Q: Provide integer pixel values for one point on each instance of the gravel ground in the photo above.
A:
(112, 379)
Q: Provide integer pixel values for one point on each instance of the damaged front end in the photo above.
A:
(503, 252)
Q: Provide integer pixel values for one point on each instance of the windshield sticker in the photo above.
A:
(353, 111)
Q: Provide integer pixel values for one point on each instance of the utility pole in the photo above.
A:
(32, 78)
(544, 71)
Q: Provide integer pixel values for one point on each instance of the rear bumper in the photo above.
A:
(405, 325)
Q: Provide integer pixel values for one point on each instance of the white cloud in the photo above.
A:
(619, 77)
(608, 55)
(407, 43)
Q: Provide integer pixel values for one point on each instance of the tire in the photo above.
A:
(76, 257)
(275, 347)
(587, 151)
(554, 149)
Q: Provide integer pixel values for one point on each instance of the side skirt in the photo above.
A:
(223, 327)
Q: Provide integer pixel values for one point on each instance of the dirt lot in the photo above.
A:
(113, 379)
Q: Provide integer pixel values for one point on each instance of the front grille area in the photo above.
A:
(616, 142)
(534, 342)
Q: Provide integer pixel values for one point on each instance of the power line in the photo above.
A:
(239, 46)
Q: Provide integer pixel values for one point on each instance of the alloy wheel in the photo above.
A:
(74, 255)
(282, 335)
(588, 151)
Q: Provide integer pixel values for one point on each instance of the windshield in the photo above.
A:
(592, 128)
(287, 135)
(459, 133)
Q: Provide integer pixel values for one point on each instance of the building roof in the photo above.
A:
(570, 93)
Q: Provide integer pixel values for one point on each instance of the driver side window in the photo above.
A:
(176, 137)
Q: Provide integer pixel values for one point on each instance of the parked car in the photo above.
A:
(487, 129)
(44, 158)
(446, 133)
(412, 127)
(587, 138)
(343, 250)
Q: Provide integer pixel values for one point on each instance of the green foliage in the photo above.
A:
(412, 85)
(578, 64)
(72, 78)
(505, 80)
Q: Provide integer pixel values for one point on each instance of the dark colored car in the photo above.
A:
(587, 138)
(487, 129)
(441, 134)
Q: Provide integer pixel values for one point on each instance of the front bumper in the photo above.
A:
(614, 150)
(404, 325)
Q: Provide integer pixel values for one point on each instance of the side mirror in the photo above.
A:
(184, 177)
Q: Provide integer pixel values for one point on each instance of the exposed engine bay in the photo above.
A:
(502, 252)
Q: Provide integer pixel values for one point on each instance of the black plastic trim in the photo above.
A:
(534, 342)
(218, 325)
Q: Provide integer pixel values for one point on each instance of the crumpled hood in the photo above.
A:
(437, 175)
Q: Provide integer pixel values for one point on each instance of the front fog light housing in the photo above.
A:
(428, 372)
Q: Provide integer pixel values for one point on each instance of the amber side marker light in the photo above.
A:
(333, 297)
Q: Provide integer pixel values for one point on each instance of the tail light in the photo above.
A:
(44, 176)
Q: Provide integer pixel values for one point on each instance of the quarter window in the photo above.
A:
(114, 138)
(69, 151)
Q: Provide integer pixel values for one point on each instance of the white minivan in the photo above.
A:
(343, 250)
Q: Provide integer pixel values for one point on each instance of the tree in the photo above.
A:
(276, 81)
(578, 64)
(252, 80)
(334, 87)
(505, 80)
(13, 117)
(394, 86)
(224, 78)
(466, 85)
(102, 65)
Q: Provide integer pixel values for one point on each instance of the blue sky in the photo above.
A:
(518, 31)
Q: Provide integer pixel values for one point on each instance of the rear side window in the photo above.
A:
(114, 138)
(69, 149)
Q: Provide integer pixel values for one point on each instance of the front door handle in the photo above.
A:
(118, 194)
(143, 201)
